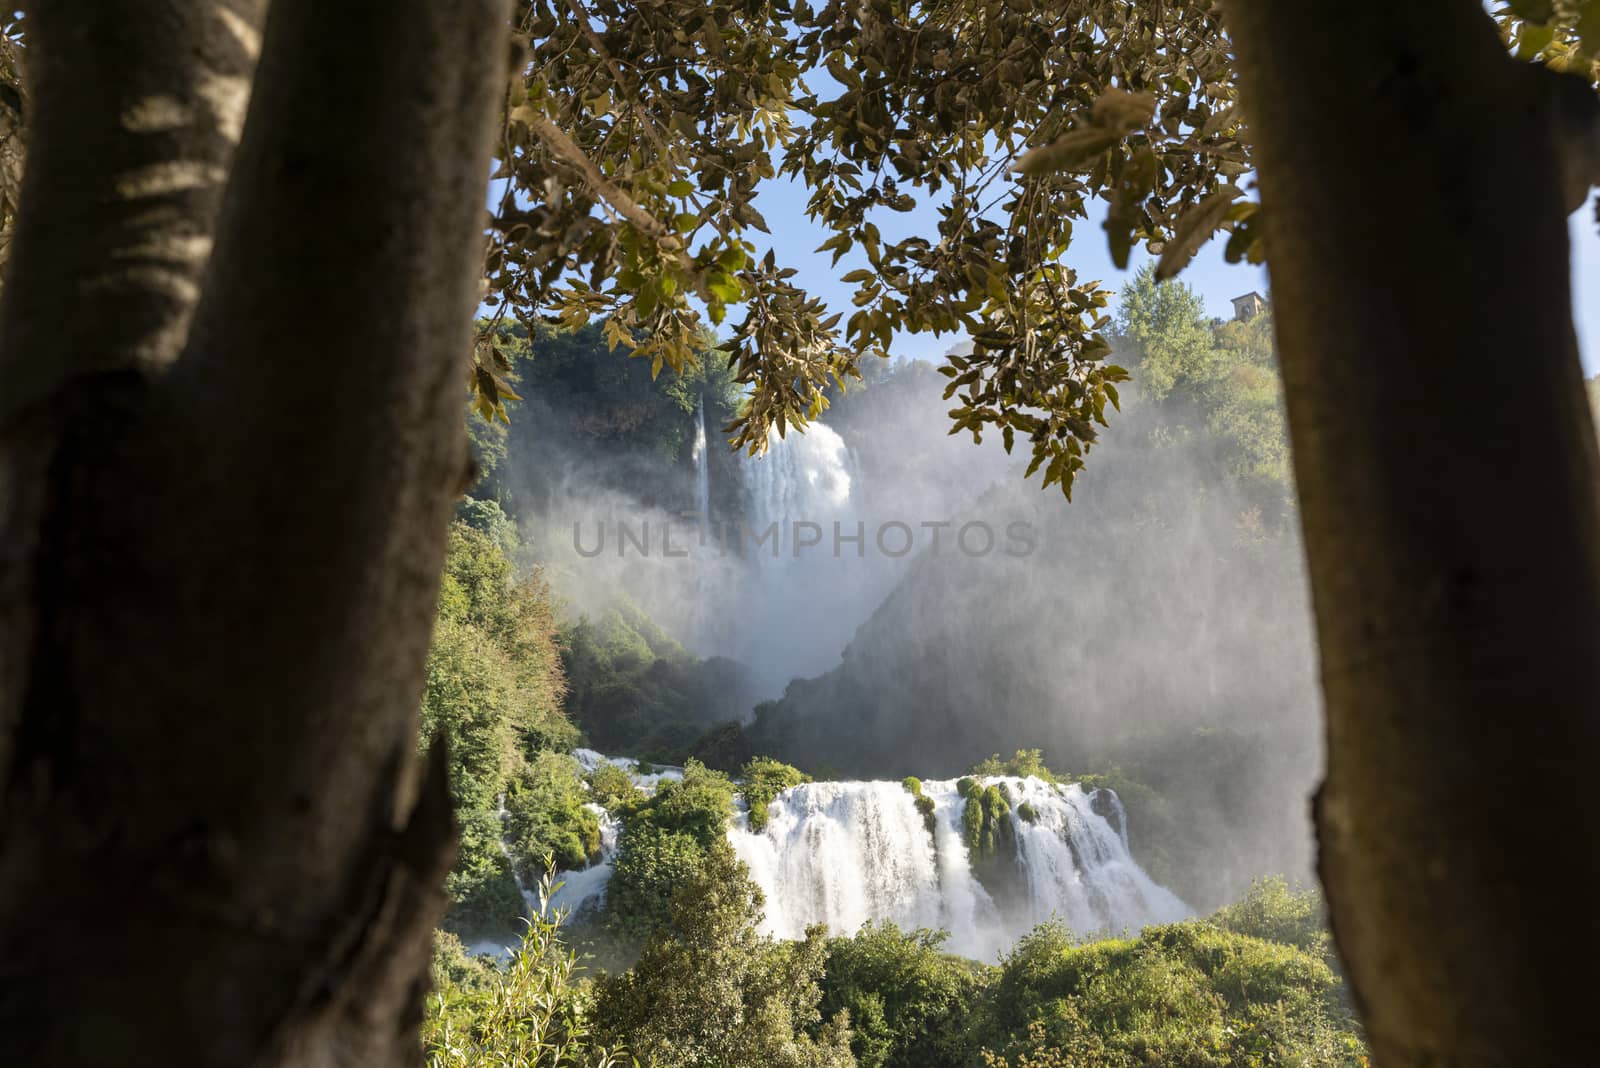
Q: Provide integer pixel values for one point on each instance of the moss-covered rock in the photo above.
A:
(924, 805)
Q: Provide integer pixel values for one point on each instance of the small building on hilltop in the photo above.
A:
(1249, 306)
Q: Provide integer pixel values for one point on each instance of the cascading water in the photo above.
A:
(805, 582)
(804, 477)
(845, 853)
(702, 469)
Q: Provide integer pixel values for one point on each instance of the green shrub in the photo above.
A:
(924, 804)
(709, 992)
(1188, 993)
(493, 689)
(698, 805)
(762, 780)
(1024, 763)
(482, 888)
(1275, 911)
(613, 787)
(529, 1013)
(546, 820)
(909, 1003)
(986, 822)
(1028, 813)
(652, 862)
(663, 842)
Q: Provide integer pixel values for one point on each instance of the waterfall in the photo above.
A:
(802, 477)
(702, 470)
(845, 853)
(805, 584)
(842, 853)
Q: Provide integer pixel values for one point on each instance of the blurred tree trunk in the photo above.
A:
(226, 481)
(1446, 465)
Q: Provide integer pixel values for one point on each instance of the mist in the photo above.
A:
(1156, 628)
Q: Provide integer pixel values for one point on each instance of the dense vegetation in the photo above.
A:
(1249, 987)
(634, 689)
(494, 691)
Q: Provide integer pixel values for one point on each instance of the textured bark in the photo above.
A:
(1446, 466)
(226, 481)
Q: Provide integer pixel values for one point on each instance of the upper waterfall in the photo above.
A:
(702, 469)
(804, 477)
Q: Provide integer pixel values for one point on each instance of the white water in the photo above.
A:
(808, 590)
(702, 469)
(802, 478)
(845, 853)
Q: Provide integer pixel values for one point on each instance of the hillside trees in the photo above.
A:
(493, 691)
(224, 711)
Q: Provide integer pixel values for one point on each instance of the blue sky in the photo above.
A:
(794, 237)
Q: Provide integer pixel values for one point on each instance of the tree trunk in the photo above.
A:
(1446, 466)
(226, 479)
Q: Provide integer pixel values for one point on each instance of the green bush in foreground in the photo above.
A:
(530, 1013)
(1189, 994)
(909, 1003)
(709, 992)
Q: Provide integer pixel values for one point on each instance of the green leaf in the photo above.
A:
(1195, 229)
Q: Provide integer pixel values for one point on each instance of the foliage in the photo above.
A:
(724, 747)
(613, 788)
(582, 400)
(1562, 34)
(924, 803)
(1187, 993)
(491, 520)
(1169, 341)
(1024, 763)
(985, 821)
(652, 863)
(708, 992)
(763, 779)
(698, 805)
(908, 1002)
(1217, 378)
(530, 1013)
(641, 143)
(663, 844)
(493, 689)
(1277, 912)
(635, 690)
(546, 819)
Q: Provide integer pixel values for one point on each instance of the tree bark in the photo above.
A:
(226, 481)
(1446, 466)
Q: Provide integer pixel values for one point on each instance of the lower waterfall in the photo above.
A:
(845, 853)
